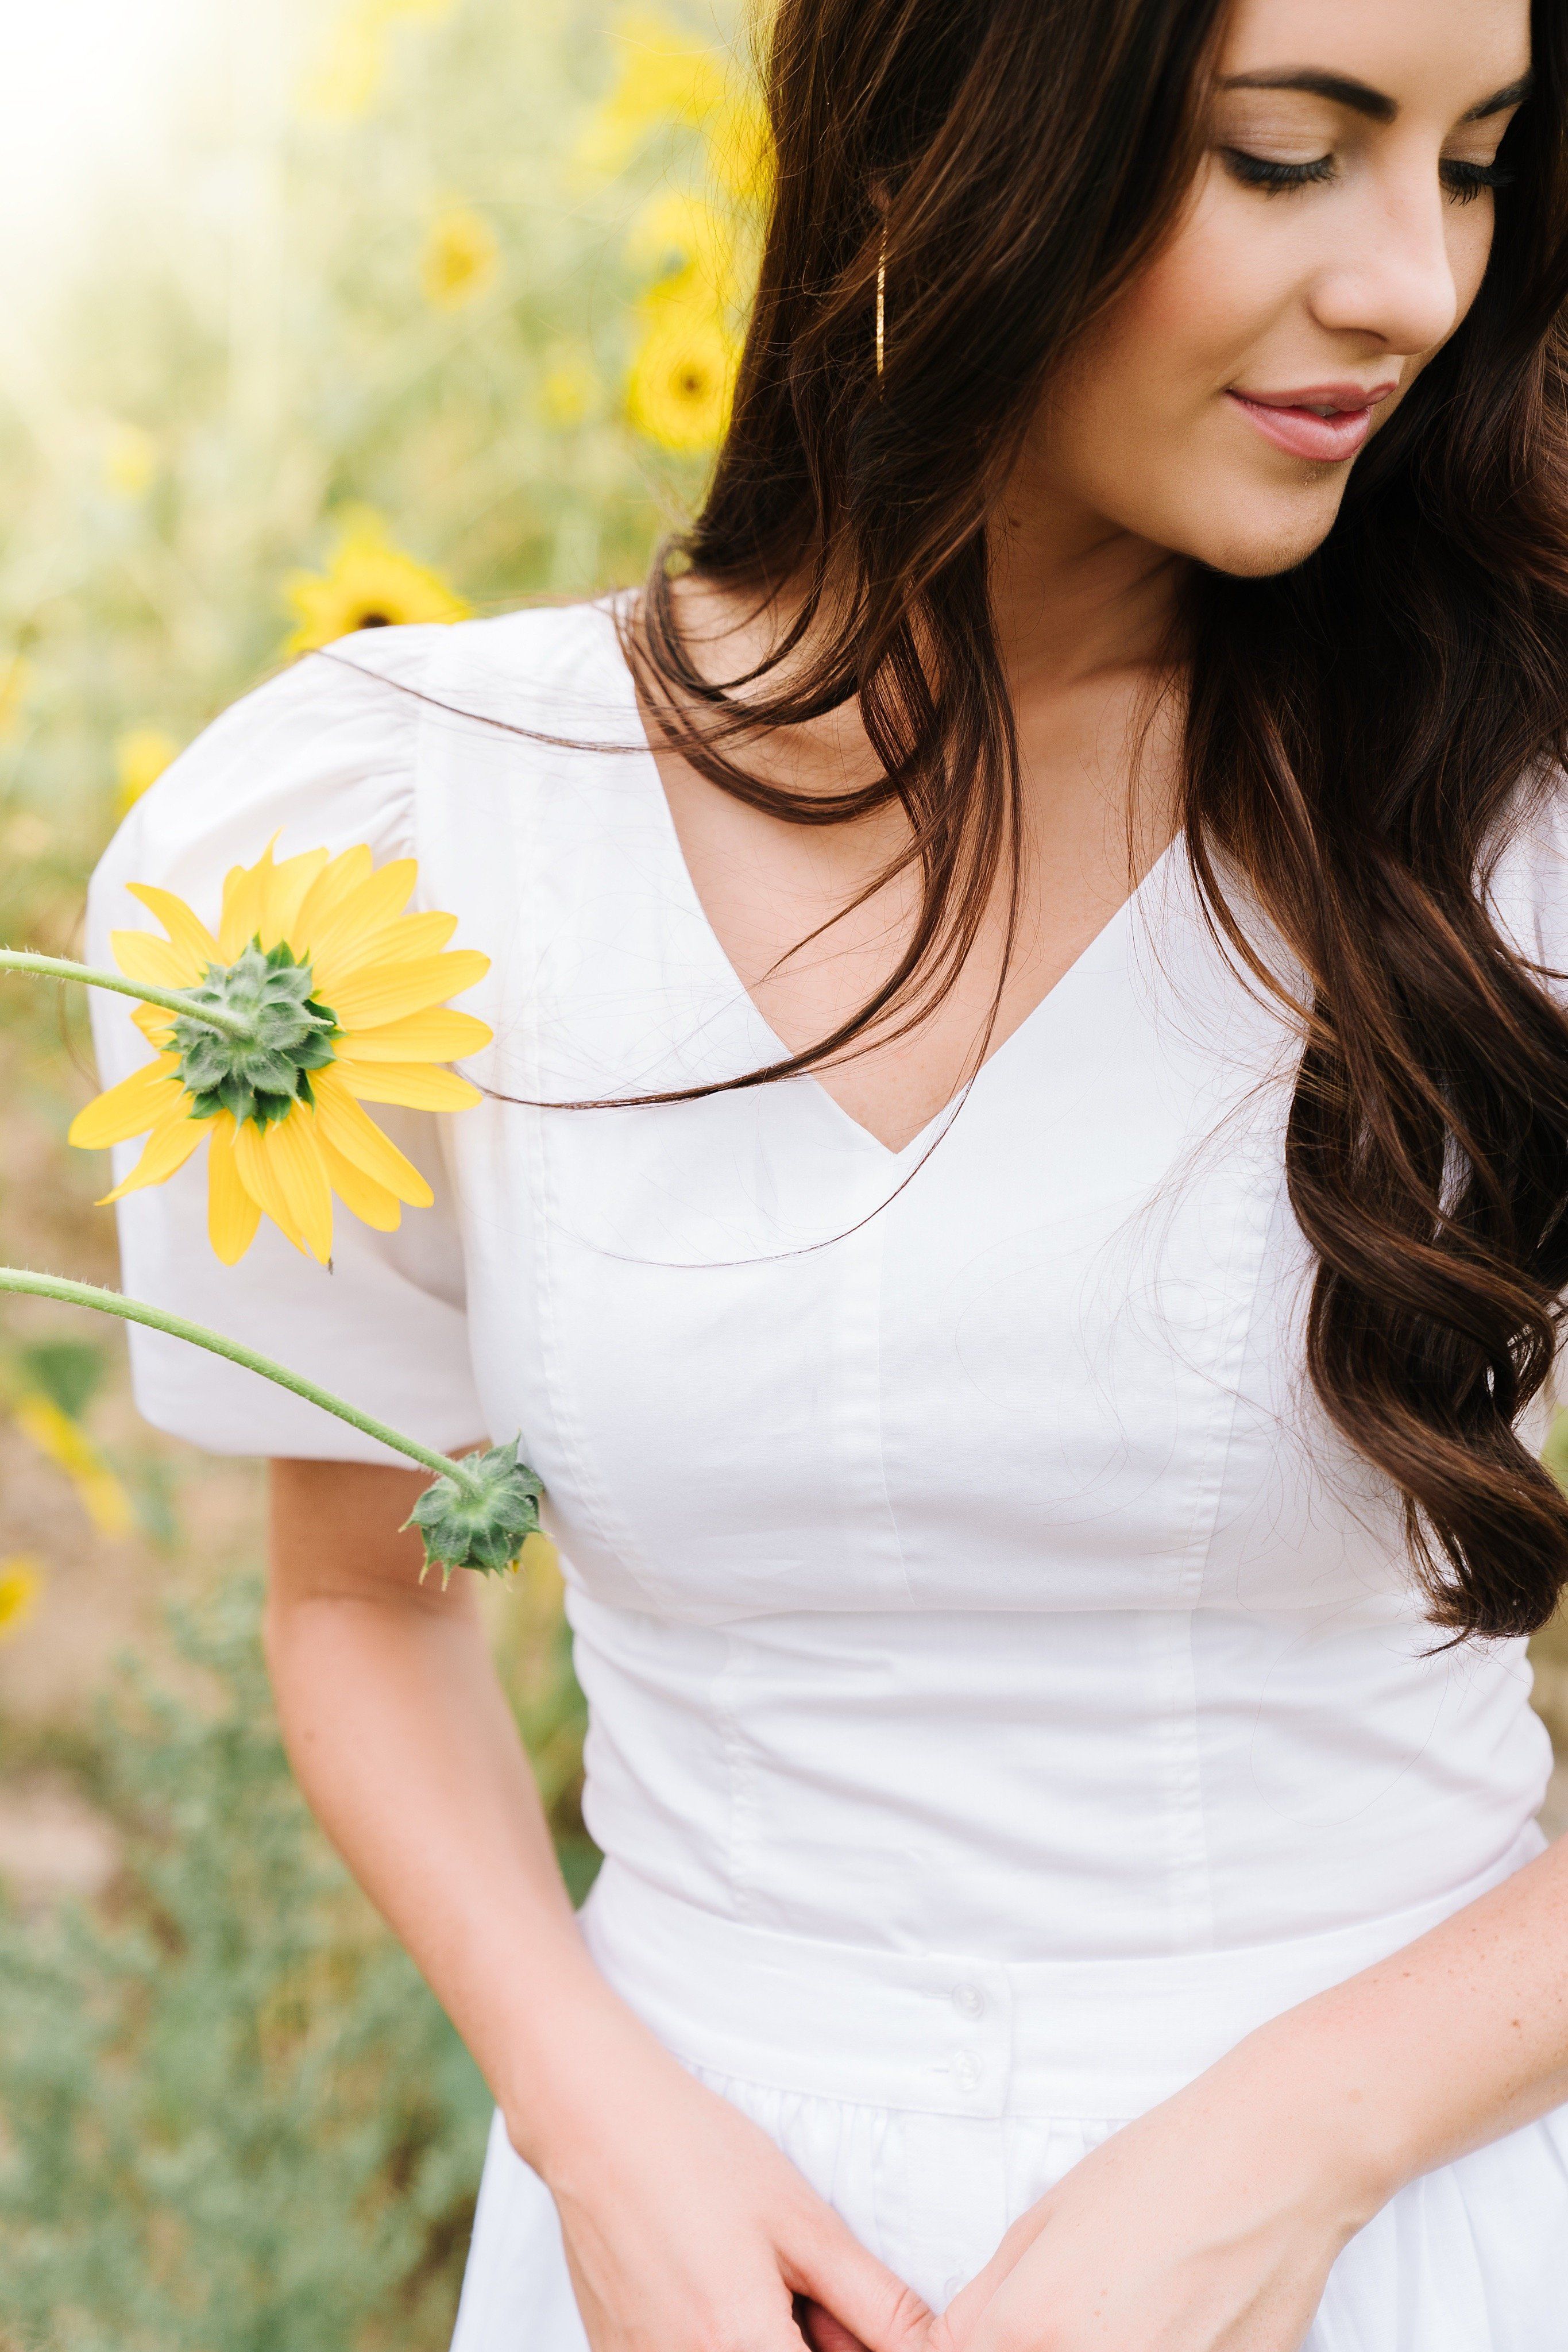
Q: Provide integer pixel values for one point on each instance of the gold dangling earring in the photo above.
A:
(881, 303)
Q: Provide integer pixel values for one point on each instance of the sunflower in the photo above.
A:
(21, 1586)
(683, 374)
(369, 584)
(665, 77)
(343, 997)
(65, 1442)
(460, 258)
(141, 756)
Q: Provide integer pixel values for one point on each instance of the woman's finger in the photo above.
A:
(828, 2267)
(952, 2331)
(822, 2331)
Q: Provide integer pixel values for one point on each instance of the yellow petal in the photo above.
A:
(385, 992)
(156, 1026)
(367, 908)
(439, 1035)
(370, 1202)
(417, 1085)
(326, 894)
(168, 1148)
(242, 894)
(402, 938)
(356, 1135)
(283, 894)
(137, 1103)
(289, 1145)
(188, 930)
(232, 1214)
(142, 955)
(259, 1179)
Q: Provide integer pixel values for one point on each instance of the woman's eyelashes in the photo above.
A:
(1463, 182)
(1263, 171)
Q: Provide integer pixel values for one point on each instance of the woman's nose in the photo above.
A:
(1393, 280)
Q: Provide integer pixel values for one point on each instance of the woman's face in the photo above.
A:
(1338, 234)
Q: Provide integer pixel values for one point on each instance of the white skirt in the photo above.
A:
(932, 2099)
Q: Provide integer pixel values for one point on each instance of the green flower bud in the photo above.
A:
(479, 1515)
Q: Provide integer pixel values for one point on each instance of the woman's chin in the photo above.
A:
(1262, 548)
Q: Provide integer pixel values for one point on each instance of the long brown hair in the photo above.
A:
(1359, 729)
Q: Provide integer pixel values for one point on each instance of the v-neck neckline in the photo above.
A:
(643, 756)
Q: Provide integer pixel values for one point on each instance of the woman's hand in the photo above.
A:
(687, 2231)
(685, 2228)
(1209, 2225)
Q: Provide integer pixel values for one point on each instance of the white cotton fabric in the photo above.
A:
(972, 1604)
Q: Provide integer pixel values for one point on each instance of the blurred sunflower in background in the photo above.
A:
(141, 756)
(370, 583)
(64, 1442)
(21, 1588)
(683, 375)
(345, 997)
(700, 246)
(460, 259)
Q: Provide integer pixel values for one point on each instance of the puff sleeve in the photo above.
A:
(322, 755)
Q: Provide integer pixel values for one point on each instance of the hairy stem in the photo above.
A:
(168, 1000)
(134, 1310)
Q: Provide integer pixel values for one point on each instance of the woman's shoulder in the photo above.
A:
(332, 750)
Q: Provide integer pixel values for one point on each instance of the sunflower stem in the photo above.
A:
(168, 1000)
(135, 1310)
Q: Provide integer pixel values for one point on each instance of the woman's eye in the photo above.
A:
(1465, 181)
(1262, 172)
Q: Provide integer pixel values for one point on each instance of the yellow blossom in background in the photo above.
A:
(570, 391)
(346, 994)
(460, 258)
(665, 77)
(683, 374)
(21, 1588)
(369, 584)
(348, 74)
(67, 1444)
(16, 680)
(345, 79)
(141, 756)
(130, 460)
(687, 244)
(740, 147)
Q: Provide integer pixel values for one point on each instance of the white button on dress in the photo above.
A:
(1004, 1688)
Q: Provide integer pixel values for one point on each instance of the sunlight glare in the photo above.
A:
(89, 93)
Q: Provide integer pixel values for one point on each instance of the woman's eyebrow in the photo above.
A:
(1360, 97)
(1338, 88)
(1500, 102)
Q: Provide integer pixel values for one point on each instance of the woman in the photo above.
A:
(1044, 943)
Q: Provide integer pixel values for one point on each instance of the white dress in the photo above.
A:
(1005, 1689)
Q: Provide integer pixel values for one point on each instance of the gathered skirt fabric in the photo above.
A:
(971, 2101)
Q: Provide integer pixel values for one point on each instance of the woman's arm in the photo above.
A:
(1212, 2223)
(685, 2228)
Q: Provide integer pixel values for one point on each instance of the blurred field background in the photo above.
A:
(311, 317)
(335, 313)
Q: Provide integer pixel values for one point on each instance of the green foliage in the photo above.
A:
(67, 1372)
(235, 2119)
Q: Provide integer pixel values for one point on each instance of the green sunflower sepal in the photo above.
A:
(260, 1076)
(480, 1517)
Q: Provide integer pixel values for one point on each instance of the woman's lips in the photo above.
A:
(1298, 425)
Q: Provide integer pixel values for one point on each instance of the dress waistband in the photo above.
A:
(946, 2033)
